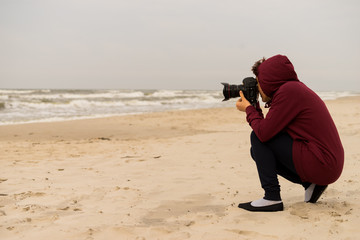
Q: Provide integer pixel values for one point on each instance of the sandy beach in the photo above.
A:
(168, 175)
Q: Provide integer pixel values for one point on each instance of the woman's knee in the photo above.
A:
(255, 144)
(254, 139)
(252, 153)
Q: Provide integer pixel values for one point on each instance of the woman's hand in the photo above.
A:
(242, 103)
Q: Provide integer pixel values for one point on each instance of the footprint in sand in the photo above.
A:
(198, 203)
(3, 180)
(251, 234)
(23, 195)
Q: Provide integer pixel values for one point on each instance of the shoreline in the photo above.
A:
(78, 128)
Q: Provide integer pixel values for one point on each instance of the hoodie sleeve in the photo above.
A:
(283, 110)
(259, 110)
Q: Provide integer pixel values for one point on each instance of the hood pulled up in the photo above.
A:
(274, 72)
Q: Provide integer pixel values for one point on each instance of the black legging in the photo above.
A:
(273, 158)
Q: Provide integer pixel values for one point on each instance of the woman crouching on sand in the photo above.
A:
(297, 139)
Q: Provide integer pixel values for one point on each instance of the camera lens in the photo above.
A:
(231, 91)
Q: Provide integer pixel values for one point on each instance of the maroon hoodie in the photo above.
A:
(318, 154)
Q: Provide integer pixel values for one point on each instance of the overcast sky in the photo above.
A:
(175, 44)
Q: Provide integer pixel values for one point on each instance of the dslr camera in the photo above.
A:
(249, 88)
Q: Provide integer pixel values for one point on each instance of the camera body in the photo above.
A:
(249, 88)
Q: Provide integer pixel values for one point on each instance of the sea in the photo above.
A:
(19, 106)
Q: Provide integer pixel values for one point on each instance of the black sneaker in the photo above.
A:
(318, 190)
(271, 208)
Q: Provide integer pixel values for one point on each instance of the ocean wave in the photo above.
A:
(82, 103)
(46, 104)
(332, 95)
(14, 91)
(166, 93)
(80, 95)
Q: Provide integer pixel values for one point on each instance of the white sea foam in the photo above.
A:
(15, 91)
(166, 93)
(21, 106)
(81, 96)
(335, 95)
